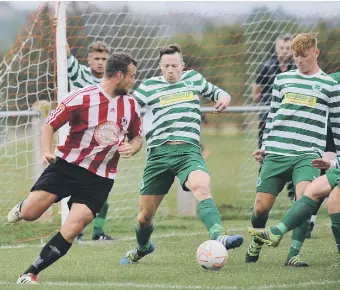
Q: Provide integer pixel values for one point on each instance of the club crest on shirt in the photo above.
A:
(107, 134)
(123, 121)
(189, 83)
(317, 87)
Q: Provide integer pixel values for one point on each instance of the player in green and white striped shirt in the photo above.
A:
(326, 186)
(80, 76)
(295, 135)
(174, 148)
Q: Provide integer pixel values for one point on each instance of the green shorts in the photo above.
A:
(167, 161)
(276, 170)
(333, 176)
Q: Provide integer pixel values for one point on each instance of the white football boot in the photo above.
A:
(28, 279)
(14, 215)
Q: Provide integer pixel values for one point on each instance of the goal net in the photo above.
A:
(226, 48)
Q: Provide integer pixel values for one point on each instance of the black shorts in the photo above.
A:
(66, 179)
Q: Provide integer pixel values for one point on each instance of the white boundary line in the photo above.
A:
(131, 238)
(176, 286)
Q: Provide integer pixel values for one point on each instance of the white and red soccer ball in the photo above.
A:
(212, 255)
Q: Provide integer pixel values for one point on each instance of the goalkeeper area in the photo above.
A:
(227, 49)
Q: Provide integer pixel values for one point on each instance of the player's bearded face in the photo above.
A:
(126, 81)
(171, 66)
(305, 61)
(97, 61)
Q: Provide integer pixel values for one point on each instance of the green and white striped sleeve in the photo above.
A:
(79, 75)
(210, 91)
(140, 95)
(274, 106)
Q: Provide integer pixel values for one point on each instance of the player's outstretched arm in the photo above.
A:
(46, 140)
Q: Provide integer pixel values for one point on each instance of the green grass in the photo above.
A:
(173, 264)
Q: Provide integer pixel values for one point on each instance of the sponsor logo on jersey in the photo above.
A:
(299, 99)
(176, 98)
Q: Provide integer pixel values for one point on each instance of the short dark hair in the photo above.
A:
(285, 37)
(170, 49)
(118, 61)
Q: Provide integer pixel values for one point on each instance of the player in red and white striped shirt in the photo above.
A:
(84, 167)
(99, 125)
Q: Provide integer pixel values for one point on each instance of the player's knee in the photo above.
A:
(200, 188)
(144, 220)
(261, 207)
(71, 229)
(313, 194)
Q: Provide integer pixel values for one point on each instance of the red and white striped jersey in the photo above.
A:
(98, 125)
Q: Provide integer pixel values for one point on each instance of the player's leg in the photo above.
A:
(198, 182)
(156, 182)
(300, 211)
(190, 168)
(334, 212)
(298, 234)
(303, 174)
(98, 225)
(79, 216)
(41, 197)
(271, 181)
(32, 207)
(148, 205)
(88, 194)
(330, 154)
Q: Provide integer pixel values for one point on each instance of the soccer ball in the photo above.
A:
(212, 255)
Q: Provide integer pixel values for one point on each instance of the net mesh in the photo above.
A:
(227, 49)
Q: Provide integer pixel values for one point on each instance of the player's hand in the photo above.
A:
(222, 103)
(125, 150)
(259, 155)
(67, 47)
(55, 21)
(258, 98)
(48, 158)
(321, 163)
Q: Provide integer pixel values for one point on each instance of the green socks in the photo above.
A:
(297, 215)
(99, 221)
(143, 238)
(298, 237)
(258, 222)
(210, 216)
(335, 218)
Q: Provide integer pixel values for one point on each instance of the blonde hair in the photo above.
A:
(303, 42)
(99, 46)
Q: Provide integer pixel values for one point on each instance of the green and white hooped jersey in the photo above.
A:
(79, 76)
(299, 111)
(175, 107)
